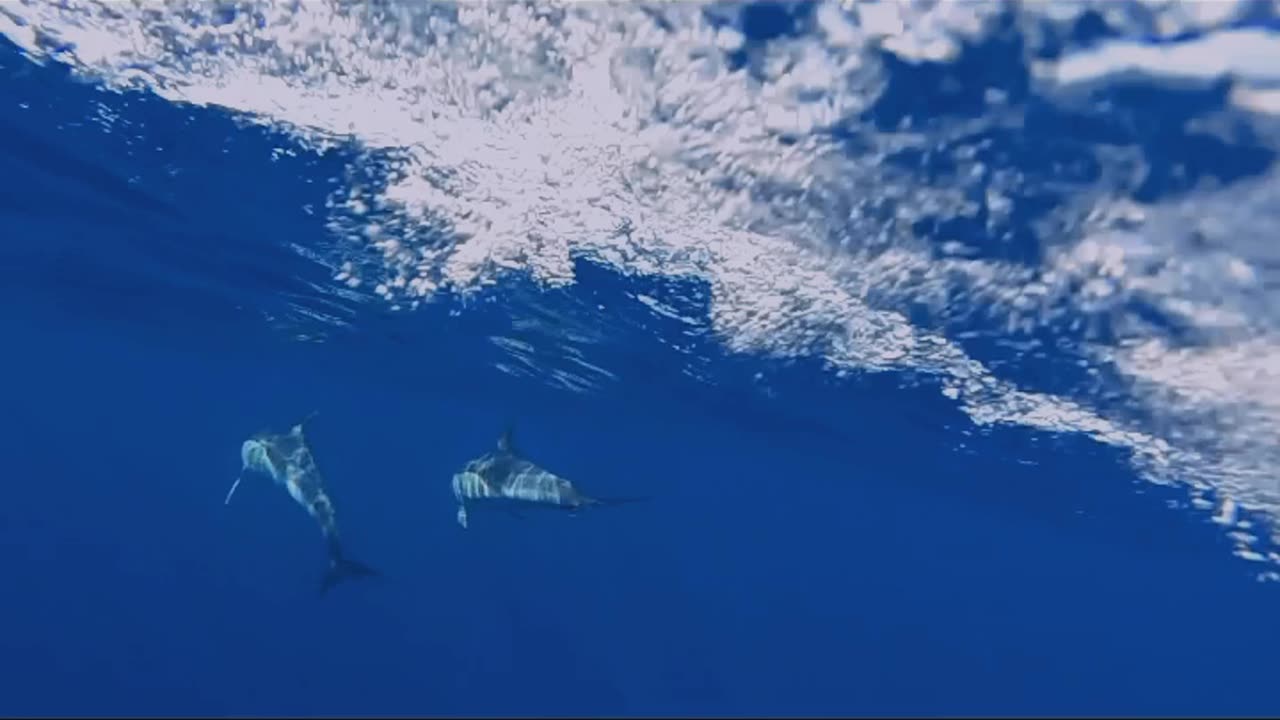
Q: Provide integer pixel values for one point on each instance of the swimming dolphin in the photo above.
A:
(287, 459)
(503, 477)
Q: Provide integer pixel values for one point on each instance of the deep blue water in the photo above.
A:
(821, 549)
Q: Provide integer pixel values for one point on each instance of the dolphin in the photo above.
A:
(503, 477)
(288, 460)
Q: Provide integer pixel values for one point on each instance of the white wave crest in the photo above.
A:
(654, 138)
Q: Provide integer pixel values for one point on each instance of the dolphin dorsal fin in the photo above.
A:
(505, 442)
(297, 429)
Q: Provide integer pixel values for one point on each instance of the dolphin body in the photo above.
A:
(288, 460)
(503, 477)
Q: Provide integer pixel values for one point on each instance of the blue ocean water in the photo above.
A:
(824, 536)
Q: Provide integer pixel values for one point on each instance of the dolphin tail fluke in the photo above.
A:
(341, 568)
(611, 501)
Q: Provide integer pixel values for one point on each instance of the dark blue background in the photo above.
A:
(824, 549)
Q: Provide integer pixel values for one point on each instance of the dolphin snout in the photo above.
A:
(253, 453)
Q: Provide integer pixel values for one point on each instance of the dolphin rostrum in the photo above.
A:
(504, 477)
(288, 460)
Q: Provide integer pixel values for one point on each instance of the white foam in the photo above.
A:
(519, 136)
(1246, 54)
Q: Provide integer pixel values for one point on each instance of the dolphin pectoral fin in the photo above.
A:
(232, 491)
(462, 516)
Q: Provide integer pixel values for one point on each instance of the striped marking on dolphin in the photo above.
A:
(287, 459)
(505, 478)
